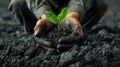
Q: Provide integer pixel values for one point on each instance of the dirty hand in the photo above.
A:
(72, 23)
(75, 27)
(41, 24)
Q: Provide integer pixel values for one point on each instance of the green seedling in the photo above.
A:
(57, 19)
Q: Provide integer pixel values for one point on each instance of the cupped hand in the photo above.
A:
(42, 25)
(75, 36)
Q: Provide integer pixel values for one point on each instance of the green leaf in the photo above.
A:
(63, 14)
(51, 17)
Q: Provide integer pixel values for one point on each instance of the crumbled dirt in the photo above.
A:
(20, 49)
(100, 47)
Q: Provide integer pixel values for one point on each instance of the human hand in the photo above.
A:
(42, 25)
(71, 24)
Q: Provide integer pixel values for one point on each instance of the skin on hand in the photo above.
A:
(43, 22)
(74, 18)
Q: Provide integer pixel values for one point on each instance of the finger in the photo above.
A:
(69, 39)
(44, 43)
(63, 47)
(38, 28)
(37, 31)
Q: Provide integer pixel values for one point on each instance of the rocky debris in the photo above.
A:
(100, 47)
(21, 50)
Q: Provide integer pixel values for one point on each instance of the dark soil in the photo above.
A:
(18, 49)
(100, 47)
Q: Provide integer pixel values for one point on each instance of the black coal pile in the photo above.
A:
(99, 48)
(18, 49)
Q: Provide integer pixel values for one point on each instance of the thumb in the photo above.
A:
(36, 31)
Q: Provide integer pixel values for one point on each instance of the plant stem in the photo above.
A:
(58, 25)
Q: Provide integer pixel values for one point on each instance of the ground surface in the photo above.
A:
(101, 47)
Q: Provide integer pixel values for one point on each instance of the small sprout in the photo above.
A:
(59, 18)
